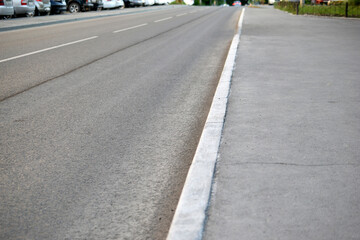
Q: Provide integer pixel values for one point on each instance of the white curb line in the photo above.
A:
(189, 219)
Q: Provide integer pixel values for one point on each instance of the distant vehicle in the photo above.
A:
(6, 9)
(24, 7)
(75, 6)
(42, 7)
(149, 2)
(133, 3)
(160, 2)
(236, 3)
(107, 4)
(97, 4)
(120, 4)
(271, 2)
(57, 6)
(322, 2)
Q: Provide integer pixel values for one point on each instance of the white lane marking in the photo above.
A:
(47, 49)
(179, 15)
(125, 29)
(193, 12)
(189, 219)
(164, 19)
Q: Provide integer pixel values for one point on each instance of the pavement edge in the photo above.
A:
(189, 218)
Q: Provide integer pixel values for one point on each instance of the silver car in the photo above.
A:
(24, 7)
(42, 7)
(6, 9)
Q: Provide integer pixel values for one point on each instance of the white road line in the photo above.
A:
(47, 49)
(189, 219)
(125, 29)
(164, 19)
(179, 15)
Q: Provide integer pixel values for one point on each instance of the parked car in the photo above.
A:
(24, 7)
(120, 4)
(6, 9)
(133, 3)
(42, 7)
(149, 2)
(322, 2)
(98, 4)
(82, 5)
(107, 4)
(57, 6)
(160, 2)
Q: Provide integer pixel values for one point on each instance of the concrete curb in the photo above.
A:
(189, 219)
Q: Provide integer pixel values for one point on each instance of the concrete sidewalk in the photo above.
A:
(289, 161)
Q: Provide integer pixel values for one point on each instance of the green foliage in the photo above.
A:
(354, 2)
(334, 9)
(286, 6)
(178, 2)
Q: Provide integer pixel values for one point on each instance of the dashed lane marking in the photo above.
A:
(129, 28)
(164, 19)
(47, 49)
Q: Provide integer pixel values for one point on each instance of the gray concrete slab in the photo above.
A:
(288, 166)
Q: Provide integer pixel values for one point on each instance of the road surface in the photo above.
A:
(100, 119)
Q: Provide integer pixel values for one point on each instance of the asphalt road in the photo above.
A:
(100, 119)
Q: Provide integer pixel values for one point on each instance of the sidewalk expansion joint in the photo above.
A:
(296, 164)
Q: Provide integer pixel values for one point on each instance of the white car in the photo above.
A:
(6, 9)
(24, 7)
(160, 2)
(109, 4)
(120, 4)
(149, 2)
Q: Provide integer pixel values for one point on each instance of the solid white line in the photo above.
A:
(189, 219)
(164, 19)
(47, 49)
(181, 14)
(125, 29)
